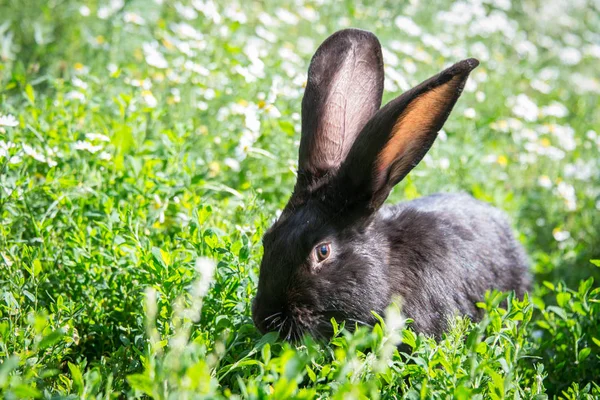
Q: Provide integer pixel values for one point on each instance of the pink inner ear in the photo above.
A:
(412, 129)
(343, 92)
(342, 120)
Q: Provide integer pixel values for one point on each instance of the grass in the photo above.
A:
(154, 141)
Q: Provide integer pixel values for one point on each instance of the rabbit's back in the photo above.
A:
(446, 251)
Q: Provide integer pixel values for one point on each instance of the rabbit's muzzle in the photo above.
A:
(290, 320)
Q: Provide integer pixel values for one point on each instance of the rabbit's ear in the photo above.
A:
(399, 135)
(344, 90)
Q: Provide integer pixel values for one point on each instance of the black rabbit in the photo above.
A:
(335, 251)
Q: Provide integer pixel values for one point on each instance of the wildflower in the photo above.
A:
(394, 323)
(545, 182)
(8, 120)
(133, 18)
(540, 222)
(185, 12)
(409, 66)
(196, 68)
(5, 147)
(585, 84)
(112, 68)
(555, 109)
(470, 113)
(153, 57)
(205, 268)
(308, 13)
(407, 25)
(232, 163)
(581, 170)
(442, 135)
(5, 152)
(272, 111)
(103, 12)
(496, 21)
(289, 55)
(480, 51)
(84, 11)
(389, 58)
(97, 136)
(395, 80)
(79, 83)
(434, 42)
(444, 163)
(471, 85)
(187, 31)
(592, 135)
(548, 74)
(502, 4)
(251, 120)
(262, 32)
(87, 146)
(175, 96)
(525, 108)
(490, 158)
(149, 99)
(30, 151)
(75, 95)
(560, 235)
(286, 16)
(235, 14)
(570, 56)
(113, 6)
(80, 69)
(593, 50)
(565, 135)
(526, 49)
(209, 9)
(541, 86)
(567, 192)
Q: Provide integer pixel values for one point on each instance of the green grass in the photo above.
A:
(156, 140)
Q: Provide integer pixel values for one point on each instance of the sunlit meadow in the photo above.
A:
(146, 145)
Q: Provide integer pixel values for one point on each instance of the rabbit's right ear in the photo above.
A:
(343, 91)
(397, 137)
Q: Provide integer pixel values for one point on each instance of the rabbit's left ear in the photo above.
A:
(343, 92)
(397, 137)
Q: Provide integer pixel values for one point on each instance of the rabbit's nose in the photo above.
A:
(265, 318)
(268, 321)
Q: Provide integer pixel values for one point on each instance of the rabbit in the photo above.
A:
(336, 251)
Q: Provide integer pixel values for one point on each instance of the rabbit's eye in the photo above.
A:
(323, 251)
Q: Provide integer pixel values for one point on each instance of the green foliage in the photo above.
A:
(141, 139)
(567, 336)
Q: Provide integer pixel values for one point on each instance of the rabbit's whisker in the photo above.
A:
(359, 322)
(274, 321)
(280, 326)
(272, 316)
(290, 330)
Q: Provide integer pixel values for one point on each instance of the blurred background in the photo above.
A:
(207, 95)
(137, 135)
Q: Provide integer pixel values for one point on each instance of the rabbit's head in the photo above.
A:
(324, 257)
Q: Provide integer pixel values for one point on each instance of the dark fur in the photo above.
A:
(438, 253)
